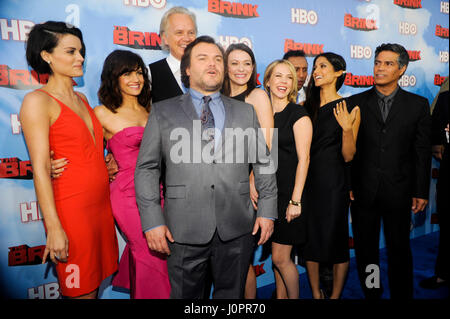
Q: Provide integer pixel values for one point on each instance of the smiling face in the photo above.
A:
(281, 81)
(301, 68)
(131, 83)
(240, 67)
(386, 69)
(206, 68)
(324, 73)
(66, 58)
(179, 33)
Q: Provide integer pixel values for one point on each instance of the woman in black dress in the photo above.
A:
(327, 190)
(240, 84)
(294, 133)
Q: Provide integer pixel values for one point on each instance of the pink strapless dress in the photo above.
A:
(141, 270)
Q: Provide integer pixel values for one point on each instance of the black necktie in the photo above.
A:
(384, 108)
(207, 119)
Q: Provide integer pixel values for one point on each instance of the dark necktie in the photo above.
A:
(384, 108)
(207, 119)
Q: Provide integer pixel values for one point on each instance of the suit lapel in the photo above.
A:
(228, 108)
(396, 105)
(373, 105)
(188, 107)
(228, 111)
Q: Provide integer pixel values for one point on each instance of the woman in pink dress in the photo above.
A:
(126, 99)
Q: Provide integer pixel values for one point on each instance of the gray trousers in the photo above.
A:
(228, 263)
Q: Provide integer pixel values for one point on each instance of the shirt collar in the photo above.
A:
(387, 97)
(198, 96)
(174, 63)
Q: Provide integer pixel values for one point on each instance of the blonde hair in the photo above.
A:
(292, 96)
(165, 21)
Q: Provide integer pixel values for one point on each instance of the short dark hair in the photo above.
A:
(116, 64)
(252, 82)
(186, 58)
(45, 37)
(294, 53)
(403, 56)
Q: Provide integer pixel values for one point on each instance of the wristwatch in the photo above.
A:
(293, 202)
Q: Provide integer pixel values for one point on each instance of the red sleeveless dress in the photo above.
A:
(82, 201)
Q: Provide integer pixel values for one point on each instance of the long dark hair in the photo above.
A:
(312, 102)
(117, 63)
(251, 84)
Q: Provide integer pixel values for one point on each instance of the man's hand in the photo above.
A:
(111, 165)
(418, 204)
(156, 239)
(266, 226)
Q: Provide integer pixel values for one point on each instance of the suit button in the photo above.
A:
(383, 131)
(212, 186)
(382, 150)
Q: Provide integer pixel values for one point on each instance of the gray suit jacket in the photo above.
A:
(201, 195)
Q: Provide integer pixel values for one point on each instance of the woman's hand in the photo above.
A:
(344, 118)
(292, 212)
(57, 166)
(253, 192)
(254, 195)
(57, 246)
(111, 166)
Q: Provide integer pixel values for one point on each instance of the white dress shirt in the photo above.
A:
(174, 66)
(301, 95)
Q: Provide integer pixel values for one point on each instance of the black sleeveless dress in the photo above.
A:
(240, 97)
(327, 192)
(292, 233)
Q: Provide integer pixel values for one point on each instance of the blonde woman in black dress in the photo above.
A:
(293, 134)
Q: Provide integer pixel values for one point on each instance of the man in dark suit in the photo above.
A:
(208, 217)
(178, 28)
(390, 173)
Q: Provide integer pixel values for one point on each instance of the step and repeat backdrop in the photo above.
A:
(351, 28)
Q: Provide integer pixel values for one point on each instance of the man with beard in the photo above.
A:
(208, 218)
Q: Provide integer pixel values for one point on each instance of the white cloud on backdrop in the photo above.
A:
(387, 16)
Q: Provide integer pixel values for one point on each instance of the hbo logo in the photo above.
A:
(407, 80)
(303, 17)
(407, 28)
(360, 52)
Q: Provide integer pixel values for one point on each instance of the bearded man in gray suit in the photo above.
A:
(208, 219)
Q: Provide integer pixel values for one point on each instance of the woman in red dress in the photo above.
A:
(81, 237)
